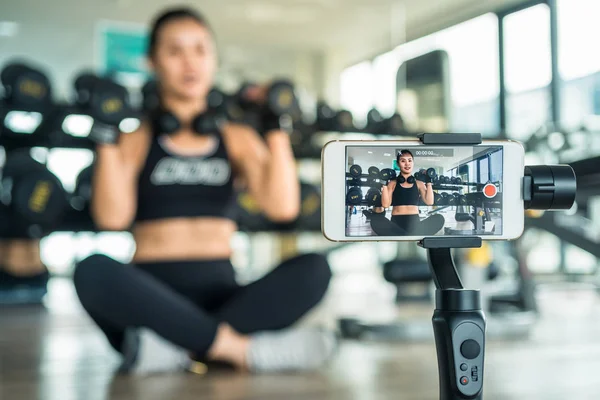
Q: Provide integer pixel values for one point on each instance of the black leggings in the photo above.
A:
(407, 225)
(184, 302)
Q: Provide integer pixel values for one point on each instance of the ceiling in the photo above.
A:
(252, 34)
(297, 24)
(383, 157)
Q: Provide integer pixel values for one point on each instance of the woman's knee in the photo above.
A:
(89, 273)
(313, 270)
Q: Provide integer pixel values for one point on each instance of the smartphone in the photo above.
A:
(405, 190)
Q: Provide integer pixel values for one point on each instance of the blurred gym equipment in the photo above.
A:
(34, 195)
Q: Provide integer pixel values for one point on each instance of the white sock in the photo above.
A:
(157, 355)
(290, 350)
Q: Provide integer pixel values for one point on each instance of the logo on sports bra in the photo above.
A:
(169, 171)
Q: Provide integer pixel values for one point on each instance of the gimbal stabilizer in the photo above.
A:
(458, 320)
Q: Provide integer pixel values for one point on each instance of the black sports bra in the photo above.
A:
(171, 185)
(405, 196)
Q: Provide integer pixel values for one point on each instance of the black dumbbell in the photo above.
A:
(102, 99)
(26, 88)
(35, 195)
(344, 122)
(458, 180)
(452, 200)
(373, 197)
(446, 180)
(386, 175)
(270, 107)
(374, 122)
(443, 199)
(437, 198)
(354, 196)
(453, 180)
(83, 189)
(355, 171)
(471, 200)
(325, 117)
(461, 200)
(393, 125)
(431, 173)
(373, 172)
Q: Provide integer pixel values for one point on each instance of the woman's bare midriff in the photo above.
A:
(405, 210)
(183, 239)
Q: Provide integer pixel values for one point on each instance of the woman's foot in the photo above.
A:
(145, 352)
(290, 350)
(276, 351)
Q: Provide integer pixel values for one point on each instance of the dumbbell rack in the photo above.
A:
(458, 320)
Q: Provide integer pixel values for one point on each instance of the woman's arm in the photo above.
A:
(114, 190)
(426, 191)
(386, 194)
(268, 168)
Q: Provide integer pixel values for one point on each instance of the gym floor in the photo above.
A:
(55, 353)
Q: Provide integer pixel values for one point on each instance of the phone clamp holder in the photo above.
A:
(458, 320)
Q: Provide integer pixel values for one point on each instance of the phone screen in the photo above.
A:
(424, 190)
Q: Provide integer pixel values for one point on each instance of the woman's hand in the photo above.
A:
(386, 194)
(426, 192)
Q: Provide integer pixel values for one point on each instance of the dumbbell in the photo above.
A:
(27, 99)
(426, 175)
(452, 201)
(386, 175)
(437, 199)
(462, 200)
(102, 99)
(374, 122)
(26, 88)
(325, 117)
(373, 172)
(268, 107)
(354, 196)
(35, 195)
(344, 122)
(443, 199)
(355, 171)
(373, 197)
(393, 125)
(471, 199)
(83, 189)
(373, 178)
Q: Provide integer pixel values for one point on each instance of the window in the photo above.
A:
(384, 82)
(527, 70)
(473, 81)
(484, 172)
(496, 173)
(356, 91)
(578, 60)
(472, 175)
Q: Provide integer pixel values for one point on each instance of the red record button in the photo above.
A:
(490, 190)
(464, 380)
